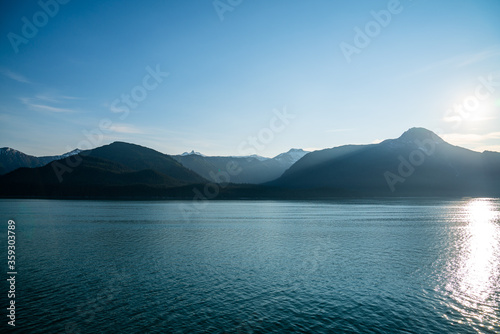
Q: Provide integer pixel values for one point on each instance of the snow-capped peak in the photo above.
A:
(292, 156)
(192, 153)
(8, 150)
(69, 154)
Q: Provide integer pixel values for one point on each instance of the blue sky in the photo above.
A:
(234, 66)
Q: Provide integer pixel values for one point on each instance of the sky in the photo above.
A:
(239, 77)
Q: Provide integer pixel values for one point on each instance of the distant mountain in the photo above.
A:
(252, 169)
(113, 166)
(11, 159)
(192, 152)
(417, 163)
(258, 157)
(246, 156)
(290, 157)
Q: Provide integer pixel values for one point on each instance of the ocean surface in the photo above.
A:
(366, 266)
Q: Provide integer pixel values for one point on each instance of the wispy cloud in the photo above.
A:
(14, 76)
(471, 118)
(312, 149)
(494, 148)
(40, 104)
(55, 98)
(476, 142)
(478, 57)
(460, 60)
(125, 128)
(470, 137)
(49, 108)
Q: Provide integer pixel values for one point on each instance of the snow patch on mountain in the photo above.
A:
(291, 156)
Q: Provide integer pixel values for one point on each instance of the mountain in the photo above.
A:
(139, 158)
(258, 157)
(251, 169)
(11, 159)
(417, 163)
(192, 152)
(116, 166)
(246, 156)
(290, 157)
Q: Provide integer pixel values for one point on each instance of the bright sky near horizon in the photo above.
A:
(236, 77)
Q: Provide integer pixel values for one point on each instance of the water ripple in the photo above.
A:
(259, 267)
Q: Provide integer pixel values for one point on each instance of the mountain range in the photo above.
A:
(418, 163)
(108, 170)
(11, 159)
(254, 169)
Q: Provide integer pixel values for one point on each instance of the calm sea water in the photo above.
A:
(401, 266)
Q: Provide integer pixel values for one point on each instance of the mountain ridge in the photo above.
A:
(11, 159)
(253, 170)
(417, 163)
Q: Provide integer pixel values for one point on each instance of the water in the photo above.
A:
(402, 266)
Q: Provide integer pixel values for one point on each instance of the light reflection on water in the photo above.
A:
(473, 269)
(381, 266)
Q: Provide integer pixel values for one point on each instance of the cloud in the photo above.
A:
(55, 98)
(456, 118)
(478, 57)
(14, 76)
(49, 108)
(470, 137)
(125, 128)
(494, 148)
(460, 60)
(312, 149)
(43, 103)
(476, 142)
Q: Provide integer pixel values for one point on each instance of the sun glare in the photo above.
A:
(478, 264)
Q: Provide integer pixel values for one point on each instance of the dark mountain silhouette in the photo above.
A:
(417, 163)
(138, 158)
(11, 159)
(253, 170)
(113, 166)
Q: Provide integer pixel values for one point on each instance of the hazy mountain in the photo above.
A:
(252, 169)
(11, 159)
(290, 157)
(417, 163)
(115, 165)
(243, 156)
(192, 152)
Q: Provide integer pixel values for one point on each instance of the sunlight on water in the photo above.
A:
(475, 270)
(385, 266)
